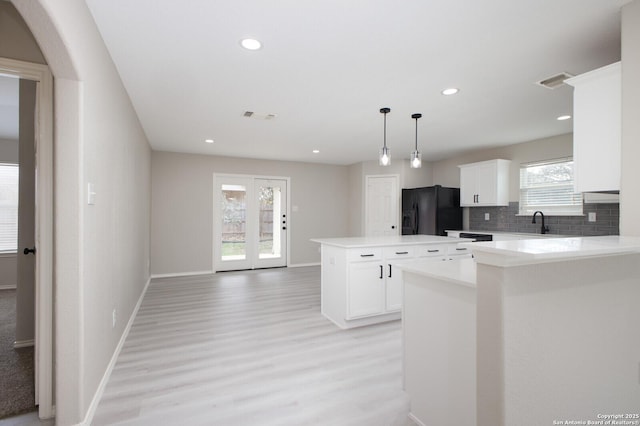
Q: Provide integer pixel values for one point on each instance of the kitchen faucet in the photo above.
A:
(543, 229)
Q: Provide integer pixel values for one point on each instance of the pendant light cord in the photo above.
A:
(385, 130)
(416, 116)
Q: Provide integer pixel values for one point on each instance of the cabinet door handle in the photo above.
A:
(381, 274)
(460, 249)
(366, 255)
(389, 270)
(402, 252)
(433, 251)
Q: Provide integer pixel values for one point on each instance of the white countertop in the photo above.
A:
(461, 271)
(393, 240)
(543, 250)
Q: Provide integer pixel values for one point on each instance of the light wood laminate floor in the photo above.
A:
(251, 348)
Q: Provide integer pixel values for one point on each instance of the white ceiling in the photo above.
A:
(9, 97)
(327, 67)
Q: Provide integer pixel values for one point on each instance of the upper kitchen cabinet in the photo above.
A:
(485, 183)
(597, 128)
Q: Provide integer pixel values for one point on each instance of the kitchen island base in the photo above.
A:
(361, 283)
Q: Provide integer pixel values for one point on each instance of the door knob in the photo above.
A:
(29, 250)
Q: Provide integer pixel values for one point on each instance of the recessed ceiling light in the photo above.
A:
(563, 117)
(208, 140)
(250, 44)
(316, 151)
(450, 91)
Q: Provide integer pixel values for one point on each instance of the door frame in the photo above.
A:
(43, 353)
(215, 217)
(366, 201)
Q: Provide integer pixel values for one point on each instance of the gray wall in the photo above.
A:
(8, 151)
(102, 250)
(16, 41)
(630, 189)
(182, 207)
(409, 178)
(447, 173)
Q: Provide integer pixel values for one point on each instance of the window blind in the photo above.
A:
(548, 186)
(9, 180)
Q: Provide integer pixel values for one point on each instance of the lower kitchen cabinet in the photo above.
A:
(366, 287)
(363, 285)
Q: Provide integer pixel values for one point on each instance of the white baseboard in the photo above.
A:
(107, 374)
(303, 265)
(181, 274)
(415, 420)
(23, 343)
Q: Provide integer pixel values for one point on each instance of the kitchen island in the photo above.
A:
(359, 282)
(557, 333)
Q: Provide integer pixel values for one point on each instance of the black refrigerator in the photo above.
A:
(431, 210)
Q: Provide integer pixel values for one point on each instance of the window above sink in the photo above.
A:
(548, 186)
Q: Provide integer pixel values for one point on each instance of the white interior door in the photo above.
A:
(382, 205)
(251, 221)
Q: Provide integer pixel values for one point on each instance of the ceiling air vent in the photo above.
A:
(554, 81)
(259, 116)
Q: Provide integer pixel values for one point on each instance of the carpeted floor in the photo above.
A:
(16, 365)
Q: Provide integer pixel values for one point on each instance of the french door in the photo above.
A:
(250, 216)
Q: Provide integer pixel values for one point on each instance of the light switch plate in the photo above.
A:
(487, 216)
(592, 216)
(91, 194)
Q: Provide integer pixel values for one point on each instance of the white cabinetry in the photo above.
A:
(366, 288)
(362, 286)
(597, 129)
(373, 286)
(485, 183)
(393, 286)
(366, 293)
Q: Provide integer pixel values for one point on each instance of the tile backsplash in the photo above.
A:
(505, 219)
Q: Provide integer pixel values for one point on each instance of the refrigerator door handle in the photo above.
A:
(416, 223)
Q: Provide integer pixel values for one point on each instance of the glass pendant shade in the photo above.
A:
(416, 160)
(385, 156)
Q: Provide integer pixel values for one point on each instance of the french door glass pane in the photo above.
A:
(234, 222)
(269, 244)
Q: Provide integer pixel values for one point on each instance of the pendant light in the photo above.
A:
(385, 153)
(416, 157)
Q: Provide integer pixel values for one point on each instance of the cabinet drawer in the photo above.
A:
(364, 254)
(399, 252)
(455, 249)
(435, 250)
